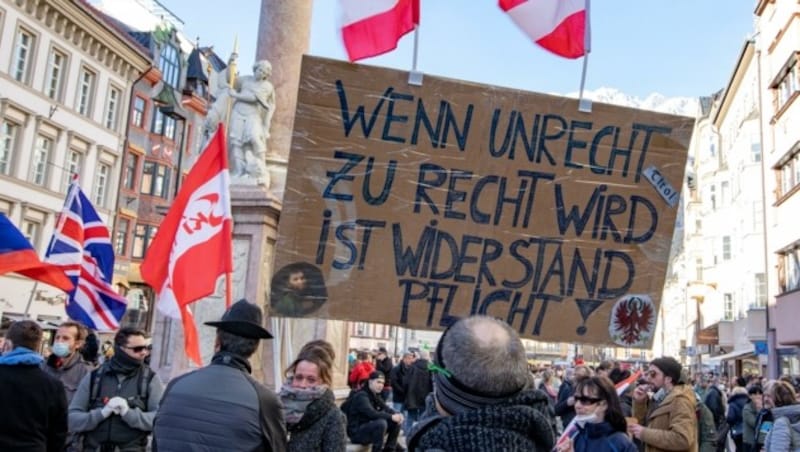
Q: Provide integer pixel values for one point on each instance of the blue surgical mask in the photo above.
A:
(61, 349)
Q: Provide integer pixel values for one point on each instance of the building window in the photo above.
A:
(726, 248)
(755, 151)
(23, 55)
(155, 180)
(8, 139)
(761, 290)
(112, 107)
(131, 164)
(788, 170)
(728, 307)
(74, 164)
(137, 116)
(712, 198)
(789, 269)
(56, 69)
(31, 229)
(169, 64)
(724, 193)
(121, 238)
(141, 239)
(41, 157)
(787, 84)
(698, 269)
(101, 184)
(163, 124)
(85, 92)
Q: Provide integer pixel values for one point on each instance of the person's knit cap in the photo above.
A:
(670, 367)
(376, 374)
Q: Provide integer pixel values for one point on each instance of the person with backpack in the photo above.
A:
(115, 404)
(706, 430)
(715, 401)
(785, 433)
(736, 403)
(750, 416)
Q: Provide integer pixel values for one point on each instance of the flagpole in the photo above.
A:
(415, 77)
(585, 105)
(30, 299)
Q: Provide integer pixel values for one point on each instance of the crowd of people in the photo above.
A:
(476, 392)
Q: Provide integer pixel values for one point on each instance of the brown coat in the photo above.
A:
(672, 425)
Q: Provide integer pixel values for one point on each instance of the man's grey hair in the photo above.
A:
(485, 353)
(236, 345)
(424, 354)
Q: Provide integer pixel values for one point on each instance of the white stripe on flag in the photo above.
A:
(357, 10)
(538, 18)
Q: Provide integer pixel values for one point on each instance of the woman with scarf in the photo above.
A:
(599, 424)
(313, 420)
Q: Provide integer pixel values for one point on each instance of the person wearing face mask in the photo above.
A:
(601, 426)
(66, 362)
(370, 420)
(313, 421)
(115, 404)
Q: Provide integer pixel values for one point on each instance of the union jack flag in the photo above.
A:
(82, 246)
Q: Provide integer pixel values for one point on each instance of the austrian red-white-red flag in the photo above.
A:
(560, 26)
(192, 248)
(373, 27)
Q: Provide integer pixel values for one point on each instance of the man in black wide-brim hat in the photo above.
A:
(221, 407)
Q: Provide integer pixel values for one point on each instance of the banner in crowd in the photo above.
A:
(416, 205)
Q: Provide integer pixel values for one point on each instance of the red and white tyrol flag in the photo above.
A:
(193, 245)
(623, 385)
(374, 27)
(559, 26)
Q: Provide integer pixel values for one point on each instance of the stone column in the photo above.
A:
(283, 38)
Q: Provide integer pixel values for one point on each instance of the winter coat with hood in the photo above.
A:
(671, 424)
(749, 415)
(785, 433)
(736, 404)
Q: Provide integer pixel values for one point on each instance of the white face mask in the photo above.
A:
(61, 349)
(583, 419)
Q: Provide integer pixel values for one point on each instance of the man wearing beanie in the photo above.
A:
(482, 393)
(666, 419)
(369, 419)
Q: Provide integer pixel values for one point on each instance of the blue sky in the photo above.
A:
(672, 47)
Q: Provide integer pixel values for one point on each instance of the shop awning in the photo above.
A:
(736, 354)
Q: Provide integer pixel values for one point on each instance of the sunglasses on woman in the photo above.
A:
(586, 400)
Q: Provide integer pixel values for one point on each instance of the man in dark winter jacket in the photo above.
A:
(486, 406)
(417, 384)
(35, 403)
(369, 420)
(383, 364)
(397, 376)
(220, 406)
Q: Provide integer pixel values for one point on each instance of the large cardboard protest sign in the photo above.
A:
(416, 205)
